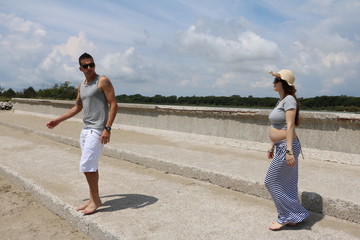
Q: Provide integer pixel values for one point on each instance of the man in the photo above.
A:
(96, 96)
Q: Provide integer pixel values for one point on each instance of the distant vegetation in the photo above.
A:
(62, 92)
(66, 92)
(323, 103)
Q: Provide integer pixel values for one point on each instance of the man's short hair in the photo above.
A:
(85, 56)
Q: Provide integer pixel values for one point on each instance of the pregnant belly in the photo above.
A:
(277, 135)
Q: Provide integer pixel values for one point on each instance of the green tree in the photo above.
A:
(29, 92)
(67, 92)
(62, 91)
(9, 93)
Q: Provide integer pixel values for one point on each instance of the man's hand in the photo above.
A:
(105, 137)
(52, 124)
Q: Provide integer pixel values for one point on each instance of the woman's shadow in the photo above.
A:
(313, 202)
(124, 201)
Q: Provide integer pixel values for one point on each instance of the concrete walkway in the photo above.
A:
(141, 202)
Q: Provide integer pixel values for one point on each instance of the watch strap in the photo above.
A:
(290, 152)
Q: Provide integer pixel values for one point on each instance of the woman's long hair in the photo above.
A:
(290, 90)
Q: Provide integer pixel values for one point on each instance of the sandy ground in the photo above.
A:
(23, 217)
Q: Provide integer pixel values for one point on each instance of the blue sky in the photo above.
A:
(184, 47)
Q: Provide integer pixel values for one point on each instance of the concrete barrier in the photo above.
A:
(324, 135)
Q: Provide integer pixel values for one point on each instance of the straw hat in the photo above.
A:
(285, 75)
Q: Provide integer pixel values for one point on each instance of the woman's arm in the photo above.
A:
(290, 135)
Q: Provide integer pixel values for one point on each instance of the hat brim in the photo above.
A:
(275, 74)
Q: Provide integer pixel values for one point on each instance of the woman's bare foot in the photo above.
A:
(91, 207)
(275, 226)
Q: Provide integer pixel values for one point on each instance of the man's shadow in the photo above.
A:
(124, 201)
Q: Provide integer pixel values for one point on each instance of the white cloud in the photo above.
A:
(185, 82)
(73, 48)
(262, 84)
(17, 24)
(248, 46)
(338, 80)
(60, 64)
(225, 79)
(22, 46)
(326, 49)
(185, 48)
(125, 66)
(22, 37)
(335, 59)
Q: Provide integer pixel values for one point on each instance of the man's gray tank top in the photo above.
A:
(95, 105)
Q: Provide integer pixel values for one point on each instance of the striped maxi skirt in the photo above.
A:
(282, 183)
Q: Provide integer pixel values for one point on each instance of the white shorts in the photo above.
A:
(91, 148)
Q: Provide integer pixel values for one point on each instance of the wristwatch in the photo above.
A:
(107, 128)
(290, 152)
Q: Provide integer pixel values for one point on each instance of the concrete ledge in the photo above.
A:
(320, 131)
(339, 208)
(318, 154)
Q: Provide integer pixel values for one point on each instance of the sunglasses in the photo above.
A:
(276, 80)
(85, 66)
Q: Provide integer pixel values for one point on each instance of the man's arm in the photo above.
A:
(72, 112)
(107, 88)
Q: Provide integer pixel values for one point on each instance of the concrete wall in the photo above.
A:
(334, 132)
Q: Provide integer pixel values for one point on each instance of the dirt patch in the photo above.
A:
(23, 217)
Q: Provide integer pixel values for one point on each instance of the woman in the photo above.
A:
(282, 177)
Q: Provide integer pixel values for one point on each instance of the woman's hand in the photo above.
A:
(290, 160)
(270, 153)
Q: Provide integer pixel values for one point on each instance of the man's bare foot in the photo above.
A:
(91, 207)
(275, 226)
(83, 206)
